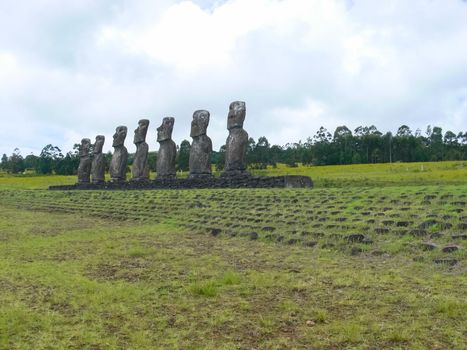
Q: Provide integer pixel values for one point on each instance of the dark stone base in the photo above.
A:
(235, 173)
(242, 181)
(201, 176)
(142, 179)
(166, 177)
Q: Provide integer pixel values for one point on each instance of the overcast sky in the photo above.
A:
(78, 68)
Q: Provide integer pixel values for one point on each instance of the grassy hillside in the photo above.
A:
(367, 267)
(435, 173)
(454, 172)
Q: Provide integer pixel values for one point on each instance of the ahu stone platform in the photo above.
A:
(243, 181)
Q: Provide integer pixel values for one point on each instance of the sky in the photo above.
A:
(78, 68)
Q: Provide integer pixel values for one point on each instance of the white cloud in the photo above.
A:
(83, 67)
(8, 65)
(288, 118)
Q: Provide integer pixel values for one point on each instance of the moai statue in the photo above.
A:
(84, 168)
(140, 168)
(98, 161)
(165, 165)
(120, 157)
(237, 141)
(201, 147)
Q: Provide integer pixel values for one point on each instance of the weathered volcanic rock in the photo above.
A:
(165, 166)
(428, 246)
(237, 141)
(120, 157)
(140, 167)
(84, 168)
(98, 161)
(201, 147)
(450, 248)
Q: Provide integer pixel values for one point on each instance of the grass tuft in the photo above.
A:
(204, 288)
(230, 278)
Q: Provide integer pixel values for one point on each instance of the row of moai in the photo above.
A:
(92, 167)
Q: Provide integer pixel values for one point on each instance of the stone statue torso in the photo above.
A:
(118, 164)
(165, 166)
(140, 168)
(236, 146)
(84, 168)
(98, 168)
(200, 155)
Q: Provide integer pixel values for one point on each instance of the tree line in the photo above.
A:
(363, 145)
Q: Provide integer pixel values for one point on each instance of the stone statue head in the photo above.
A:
(164, 132)
(200, 123)
(100, 139)
(119, 136)
(141, 131)
(237, 111)
(84, 147)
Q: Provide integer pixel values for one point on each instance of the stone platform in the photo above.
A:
(290, 181)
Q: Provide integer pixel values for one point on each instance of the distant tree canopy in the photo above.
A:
(13, 164)
(363, 145)
(51, 160)
(183, 156)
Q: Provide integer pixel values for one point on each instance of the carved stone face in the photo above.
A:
(164, 132)
(119, 136)
(200, 123)
(100, 139)
(141, 131)
(84, 148)
(237, 111)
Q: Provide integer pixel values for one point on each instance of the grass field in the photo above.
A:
(372, 258)
(395, 174)
(435, 173)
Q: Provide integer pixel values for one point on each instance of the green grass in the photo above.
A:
(150, 270)
(34, 182)
(435, 173)
(398, 174)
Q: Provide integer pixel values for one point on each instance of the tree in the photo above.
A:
(452, 147)
(321, 141)
(152, 160)
(404, 130)
(404, 145)
(450, 139)
(290, 155)
(322, 135)
(275, 153)
(221, 158)
(30, 161)
(108, 159)
(261, 153)
(360, 155)
(306, 152)
(16, 162)
(387, 144)
(462, 137)
(47, 159)
(4, 163)
(250, 151)
(343, 144)
(67, 165)
(369, 144)
(183, 156)
(436, 143)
